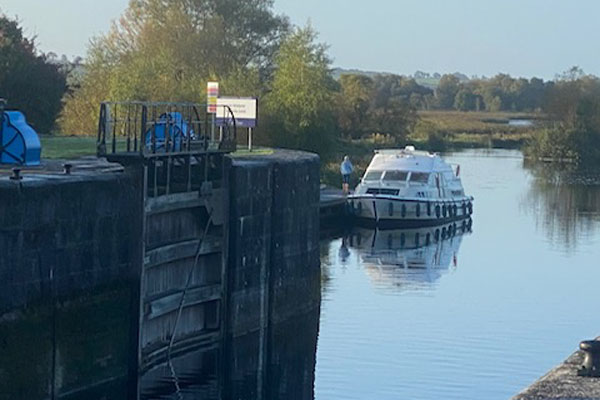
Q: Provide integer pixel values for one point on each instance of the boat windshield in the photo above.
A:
(395, 176)
(373, 175)
(419, 177)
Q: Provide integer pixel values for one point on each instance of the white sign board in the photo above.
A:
(244, 109)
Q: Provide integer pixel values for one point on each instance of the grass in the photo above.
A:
(67, 146)
(458, 122)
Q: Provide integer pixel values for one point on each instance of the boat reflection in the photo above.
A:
(408, 259)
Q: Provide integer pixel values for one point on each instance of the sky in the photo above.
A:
(484, 37)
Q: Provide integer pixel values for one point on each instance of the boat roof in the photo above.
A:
(408, 159)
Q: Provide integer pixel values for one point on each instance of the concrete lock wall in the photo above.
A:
(66, 254)
(274, 267)
(273, 276)
(70, 258)
(77, 232)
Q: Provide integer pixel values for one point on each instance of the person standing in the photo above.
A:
(346, 170)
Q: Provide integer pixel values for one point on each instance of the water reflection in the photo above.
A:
(564, 202)
(79, 348)
(406, 259)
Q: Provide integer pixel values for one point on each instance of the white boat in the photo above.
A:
(409, 188)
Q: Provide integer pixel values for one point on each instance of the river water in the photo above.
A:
(478, 316)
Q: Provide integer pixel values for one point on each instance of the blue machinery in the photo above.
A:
(19, 143)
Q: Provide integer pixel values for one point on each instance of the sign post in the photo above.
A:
(212, 96)
(245, 112)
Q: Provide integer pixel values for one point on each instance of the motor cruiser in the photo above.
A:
(410, 188)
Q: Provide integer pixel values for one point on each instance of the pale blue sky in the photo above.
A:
(484, 37)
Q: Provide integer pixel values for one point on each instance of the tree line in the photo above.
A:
(166, 50)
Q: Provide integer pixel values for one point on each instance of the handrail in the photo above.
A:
(152, 129)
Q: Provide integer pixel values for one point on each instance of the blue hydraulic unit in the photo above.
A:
(170, 130)
(19, 143)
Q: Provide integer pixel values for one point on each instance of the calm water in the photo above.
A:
(481, 315)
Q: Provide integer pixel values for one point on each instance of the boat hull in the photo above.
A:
(381, 211)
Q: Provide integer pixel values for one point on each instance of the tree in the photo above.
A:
(354, 102)
(28, 80)
(465, 100)
(300, 107)
(166, 50)
(391, 112)
(446, 91)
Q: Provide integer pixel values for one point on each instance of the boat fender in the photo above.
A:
(417, 239)
(455, 210)
(470, 208)
(444, 211)
(436, 235)
(403, 210)
(443, 233)
(464, 208)
(427, 239)
(437, 211)
(418, 210)
(391, 209)
(402, 239)
(429, 209)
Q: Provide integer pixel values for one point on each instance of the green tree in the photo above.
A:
(354, 103)
(574, 102)
(446, 91)
(465, 100)
(391, 112)
(300, 106)
(166, 50)
(29, 81)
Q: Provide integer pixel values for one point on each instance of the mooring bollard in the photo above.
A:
(591, 362)
(16, 176)
(67, 169)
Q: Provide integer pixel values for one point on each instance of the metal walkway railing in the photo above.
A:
(162, 129)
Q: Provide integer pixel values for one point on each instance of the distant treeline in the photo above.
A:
(456, 92)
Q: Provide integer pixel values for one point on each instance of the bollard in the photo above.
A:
(67, 169)
(16, 176)
(591, 362)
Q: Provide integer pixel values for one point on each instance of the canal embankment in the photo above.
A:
(564, 382)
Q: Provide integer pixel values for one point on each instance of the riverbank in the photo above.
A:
(441, 131)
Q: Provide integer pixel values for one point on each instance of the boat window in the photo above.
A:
(373, 175)
(395, 176)
(419, 177)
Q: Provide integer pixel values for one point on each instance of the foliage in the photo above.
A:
(573, 101)
(300, 107)
(29, 80)
(354, 104)
(385, 104)
(446, 91)
(166, 50)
